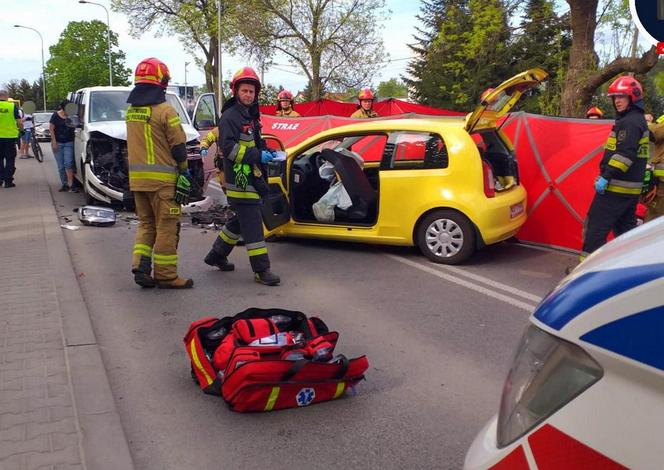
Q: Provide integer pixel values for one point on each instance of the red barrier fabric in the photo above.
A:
(558, 162)
(388, 107)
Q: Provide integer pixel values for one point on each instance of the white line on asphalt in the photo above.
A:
(492, 283)
(462, 282)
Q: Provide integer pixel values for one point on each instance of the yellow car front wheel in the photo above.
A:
(446, 236)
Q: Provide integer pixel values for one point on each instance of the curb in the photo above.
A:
(103, 441)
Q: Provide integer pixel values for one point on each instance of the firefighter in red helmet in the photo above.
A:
(365, 110)
(594, 113)
(158, 176)
(619, 184)
(285, 105)
(244, 159)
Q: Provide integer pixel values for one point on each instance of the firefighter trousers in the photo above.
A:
(158, 232)
(247, 222)
(609, 212)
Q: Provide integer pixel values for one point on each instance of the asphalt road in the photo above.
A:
(439, 341)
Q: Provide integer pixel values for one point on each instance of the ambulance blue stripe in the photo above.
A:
(577, 296)
(639, 337)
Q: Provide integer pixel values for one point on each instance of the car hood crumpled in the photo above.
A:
(118, 129)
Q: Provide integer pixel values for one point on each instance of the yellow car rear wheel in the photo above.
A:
(446, 236)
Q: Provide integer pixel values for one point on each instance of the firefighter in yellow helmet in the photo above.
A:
(285, 105)
(365, 110)
(654, 200)
(245, 157)
(158, 176)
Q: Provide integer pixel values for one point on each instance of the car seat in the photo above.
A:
(356, 183)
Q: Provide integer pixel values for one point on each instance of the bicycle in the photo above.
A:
(36, 148)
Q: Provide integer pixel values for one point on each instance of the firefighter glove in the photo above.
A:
(183, 188)
(600, 184)
(266, 156)
(204, 152)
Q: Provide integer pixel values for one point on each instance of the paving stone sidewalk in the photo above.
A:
(56, 406)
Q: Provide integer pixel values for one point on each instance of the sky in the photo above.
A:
(20, 54)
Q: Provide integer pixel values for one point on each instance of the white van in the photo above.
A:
(100, 145)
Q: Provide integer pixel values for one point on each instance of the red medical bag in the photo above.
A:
(269, 359)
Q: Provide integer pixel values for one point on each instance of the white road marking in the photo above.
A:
(528, 307)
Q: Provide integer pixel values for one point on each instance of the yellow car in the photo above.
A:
(448, 185)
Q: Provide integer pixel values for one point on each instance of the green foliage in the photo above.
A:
(392, 88)
(80, 59)
(468, 53)
(542, 40)
(269, 94)
(24, 91)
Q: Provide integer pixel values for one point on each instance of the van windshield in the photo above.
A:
(112, 106)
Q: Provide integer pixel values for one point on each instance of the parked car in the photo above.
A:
(100, 145)
(42, 129)
(447, 185)
(585, 388)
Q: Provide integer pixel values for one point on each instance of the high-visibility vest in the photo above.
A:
(8, 127)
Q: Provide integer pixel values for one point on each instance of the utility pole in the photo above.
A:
(108, 38)
(219, 87)
(42, 54)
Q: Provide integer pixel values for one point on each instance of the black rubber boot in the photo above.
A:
(267, 278)
(217, 260)
(143, 274)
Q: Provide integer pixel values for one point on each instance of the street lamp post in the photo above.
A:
(108, 38)
(42, 55)
(186, 93)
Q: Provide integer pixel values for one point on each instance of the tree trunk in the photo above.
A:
(582, 58)
(583, 78)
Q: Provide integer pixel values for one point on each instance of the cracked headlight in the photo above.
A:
(547, 373)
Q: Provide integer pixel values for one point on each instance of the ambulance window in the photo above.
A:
(415, 150)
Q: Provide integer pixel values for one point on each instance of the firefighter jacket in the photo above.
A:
(210, 138)
(152, 131)
(362, 114)
(241, 145)
(291, 113)
(626, 153)
(657, 161)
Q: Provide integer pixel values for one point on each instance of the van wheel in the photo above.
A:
(446, 236)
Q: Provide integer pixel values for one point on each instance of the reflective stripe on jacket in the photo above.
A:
(152, 131)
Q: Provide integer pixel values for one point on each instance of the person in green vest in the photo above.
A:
(10, 124)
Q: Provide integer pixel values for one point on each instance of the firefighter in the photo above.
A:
(285, 105)
(158, 176)
(654, 200)
(365, 110)
(594, 113)
(10, 125)
(622, 168)
(244, 157)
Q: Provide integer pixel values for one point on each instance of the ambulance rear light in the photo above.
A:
(547, 373)
(489, 184)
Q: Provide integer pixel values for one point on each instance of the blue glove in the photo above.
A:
(204, 152)
(600, 184)
(266, 156)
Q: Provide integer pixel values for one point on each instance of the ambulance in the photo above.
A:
(586, 387)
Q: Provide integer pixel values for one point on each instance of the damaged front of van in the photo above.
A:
(100, 147)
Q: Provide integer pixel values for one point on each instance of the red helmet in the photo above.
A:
(626, 86)
(152, 71)
(285, 95)
(365, 94)
(246, 75)
(594, 111)
(485, 93)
